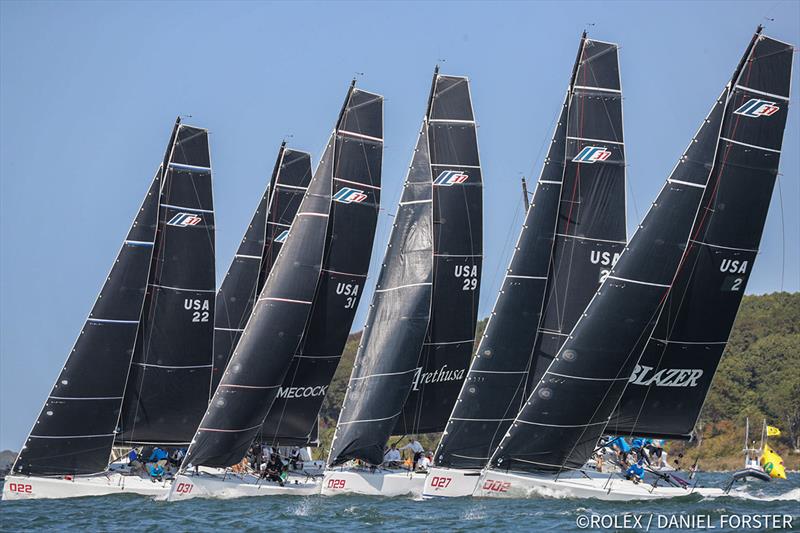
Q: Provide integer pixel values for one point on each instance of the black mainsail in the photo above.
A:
(351, 232)
(669, 384)
(79, 422)
(257, 252)
(275, 330)
(401, 342)
(569, 407)
(574, 229)
(168, 385)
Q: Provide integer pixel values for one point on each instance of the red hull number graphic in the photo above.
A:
(440, 482)
(336, 483)
(496, 486)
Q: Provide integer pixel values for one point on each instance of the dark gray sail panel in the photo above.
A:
(272, 334)
(494, 388)
(669, 384)
(396, 323)
(603, 349)
(458, 258)
(170, 375)
(75, 429)
(351, 232)
(257, 253)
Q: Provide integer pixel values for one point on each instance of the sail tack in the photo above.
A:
(351, 232)
(574, 230)
(671, 380)
(400, 340)
(257, 253)
(570, 405)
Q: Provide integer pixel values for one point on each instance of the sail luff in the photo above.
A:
(553, 432)
(396, 323)
(257, 252)
(170, 374)
(458, 259)
(689, 340)
(357, 166)
(82, 444)
(512, 344)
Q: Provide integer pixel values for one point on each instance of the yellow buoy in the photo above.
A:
(772, 463)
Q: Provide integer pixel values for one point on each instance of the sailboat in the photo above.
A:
(419, 334)
(141, 367)
(302, 310)
(573, 233)
(256, 255)
(709, 213)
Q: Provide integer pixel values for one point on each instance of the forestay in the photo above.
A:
(168, 385)
(257, 253)
(669, 384)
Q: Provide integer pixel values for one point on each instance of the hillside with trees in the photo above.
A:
(759, 377)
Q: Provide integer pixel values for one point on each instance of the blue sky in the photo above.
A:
(88, 92)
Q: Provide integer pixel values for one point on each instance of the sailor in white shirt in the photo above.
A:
(392, 457)
(426, 462)
(415, 447)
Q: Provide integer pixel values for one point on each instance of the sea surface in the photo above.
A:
(345, 514)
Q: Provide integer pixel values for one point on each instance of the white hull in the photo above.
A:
(450, 483)
(34, 488)
(378, 483)
(612, 487)
(227, 486)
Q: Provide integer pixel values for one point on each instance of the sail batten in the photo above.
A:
(75, 429)
(614, 330)
(357, 170)
(411, 355)
(574, 229)
(168, 384)
(294, 291)
(257, 252)
(670, 382)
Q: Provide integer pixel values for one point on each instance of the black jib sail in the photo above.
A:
(669, 384)
(75, 429)
(565, 248)
(168, 384)
(257, 252)
(351, 232)
(275, 329)
(400, 341)
(567, 411)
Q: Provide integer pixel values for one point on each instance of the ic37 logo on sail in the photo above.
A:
(592, 154)
(346, 195)
(183, 220)
(449, 178)
(755, 107)
(282, 236)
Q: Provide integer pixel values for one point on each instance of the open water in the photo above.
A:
(345, 514)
